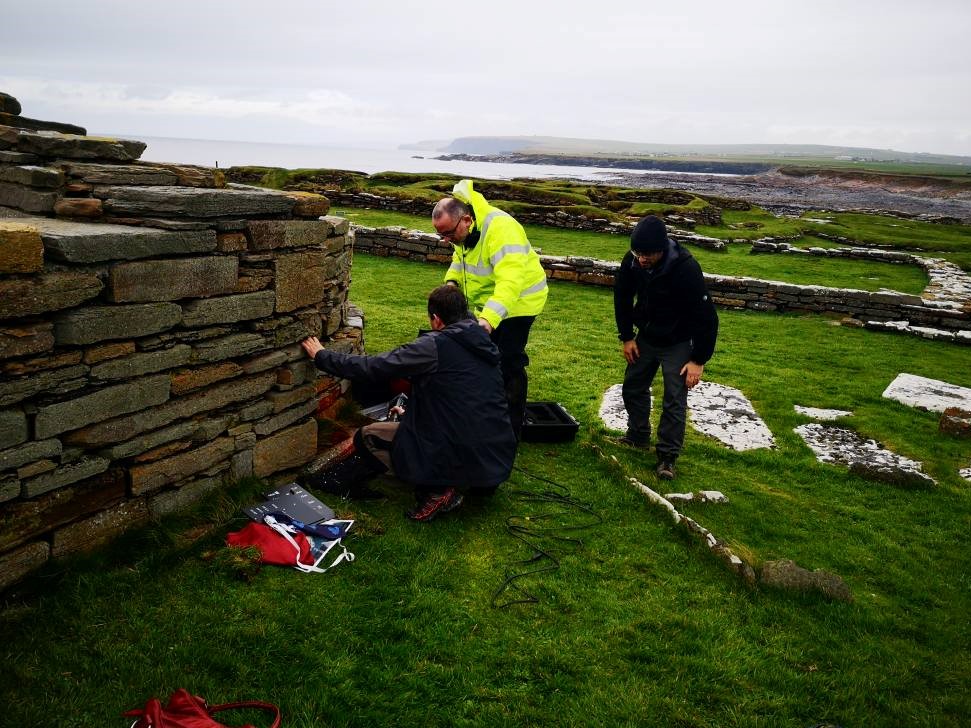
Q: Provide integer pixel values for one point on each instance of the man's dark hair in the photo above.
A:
(449, 304)
(451, 208)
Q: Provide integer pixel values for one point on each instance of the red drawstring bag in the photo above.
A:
(190, 711)
(273, 548)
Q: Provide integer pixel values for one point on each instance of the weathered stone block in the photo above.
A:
(231, 242)
(14, 457)
(13, 428)
(25, 340)
(120, 174)
(168, 280)
(19, 563)
(151, 441)
(145, 478)
(145, 363)
(32, 176)
(47, 292)
(288, 448)
(65, 475)
(285, 400)
(82, 242)
(212, 398)
(241, 465)
(72, 146)
(229, 347)
(19, 389)
(36, 468)
(188, 380)
(101, 323)
(341, 225)
(100, 405)
(26, 199)
(228, 309)
(188, 175)
(956, 421)
(264, 362)
(40, 364)
(180, 202)
(301, 280)
(21, 249)
(100, 528)
(285, 418)
(173, 501)
(23, 520)
(108, 351)
(9, 105)
(272, 234)
(79, 207)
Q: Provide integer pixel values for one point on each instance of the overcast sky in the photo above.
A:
(890, 74)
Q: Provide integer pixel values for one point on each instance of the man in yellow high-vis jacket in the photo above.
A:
(501, 276)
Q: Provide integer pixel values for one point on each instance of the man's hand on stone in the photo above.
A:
(486, 325)
(631, 352)
(692, 373)
(311, 345)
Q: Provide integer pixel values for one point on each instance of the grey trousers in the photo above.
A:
(377, 438)
(637, 396)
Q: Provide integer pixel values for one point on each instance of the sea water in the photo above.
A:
(223, 154)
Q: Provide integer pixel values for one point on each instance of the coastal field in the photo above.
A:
(632, 623)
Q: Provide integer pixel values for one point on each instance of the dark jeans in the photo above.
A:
(637, 396)
(510, 337)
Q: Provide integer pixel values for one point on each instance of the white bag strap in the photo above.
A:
(299, 565)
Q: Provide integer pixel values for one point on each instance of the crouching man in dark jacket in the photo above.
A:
(455, 436)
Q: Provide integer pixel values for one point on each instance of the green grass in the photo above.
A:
(735, 261)
(639, 626)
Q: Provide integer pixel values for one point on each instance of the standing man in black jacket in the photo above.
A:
(455, 435)
(659, 288)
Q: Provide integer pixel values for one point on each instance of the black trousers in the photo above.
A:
(510, 337)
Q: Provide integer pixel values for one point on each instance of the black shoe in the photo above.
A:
(346, 479)
(665, 469)
(435, 505)
(626, 441)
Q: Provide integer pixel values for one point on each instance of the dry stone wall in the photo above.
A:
(150, 320)
(728, 291)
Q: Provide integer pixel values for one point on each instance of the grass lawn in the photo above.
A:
(637, 626)
(735, 261)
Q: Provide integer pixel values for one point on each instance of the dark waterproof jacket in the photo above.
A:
(668, 303)
(456, 430)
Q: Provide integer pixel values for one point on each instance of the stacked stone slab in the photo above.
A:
(872, 308)
(150, 320)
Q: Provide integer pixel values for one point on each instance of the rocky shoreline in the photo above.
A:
(774, 189)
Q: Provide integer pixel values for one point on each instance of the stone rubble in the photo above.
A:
(826, 415)
(927, 394)
(865, 457)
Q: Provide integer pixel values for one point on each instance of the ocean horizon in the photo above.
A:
(213, 153)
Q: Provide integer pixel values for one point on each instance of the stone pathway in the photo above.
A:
(867, 458)
(825, 415)
(716, 410)
(928, 394)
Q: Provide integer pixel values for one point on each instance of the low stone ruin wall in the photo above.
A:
(145, 364)
(555, 218)
(728, 291)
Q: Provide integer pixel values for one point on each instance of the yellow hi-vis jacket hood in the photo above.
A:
(500, 275)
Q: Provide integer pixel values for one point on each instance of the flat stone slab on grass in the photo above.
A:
(716, 410)
(612, 410)
(726, 414)
(821, 414)
(867, 458)
(928, 394)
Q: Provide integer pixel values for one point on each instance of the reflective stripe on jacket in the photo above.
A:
(500, 275)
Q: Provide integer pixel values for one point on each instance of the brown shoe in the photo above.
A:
(665, 470)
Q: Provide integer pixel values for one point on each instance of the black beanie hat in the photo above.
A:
(649, 236)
